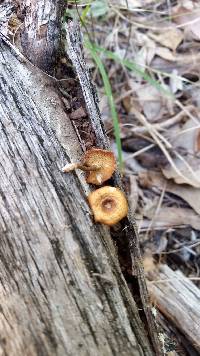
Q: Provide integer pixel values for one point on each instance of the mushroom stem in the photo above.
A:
(71, 166)
(97, 163)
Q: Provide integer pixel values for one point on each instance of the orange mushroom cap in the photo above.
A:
(104, 161)
(108, 204)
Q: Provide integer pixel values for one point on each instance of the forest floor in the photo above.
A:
(144, 58)
(150, 54)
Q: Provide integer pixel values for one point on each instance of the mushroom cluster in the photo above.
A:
(108, 204)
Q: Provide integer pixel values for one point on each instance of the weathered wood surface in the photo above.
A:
(40, 35)
(178, 299)
(62, 292)
(128, 226)
(61, 288)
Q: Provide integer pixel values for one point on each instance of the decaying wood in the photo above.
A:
(62, 292)
(41, 31)
(177, 298)
(75, 53)
(61, 287)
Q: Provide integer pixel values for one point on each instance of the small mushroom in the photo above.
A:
(104, 160)
(99, 164)
(108, 204)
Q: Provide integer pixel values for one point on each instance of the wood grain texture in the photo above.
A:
(178, 299)
(61, 287)
(40, 36)
(62, 292)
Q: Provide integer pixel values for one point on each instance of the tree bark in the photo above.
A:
(61, 287)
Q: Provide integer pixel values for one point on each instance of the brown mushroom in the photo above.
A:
(104, 160)
(99, 164)
(108, 204)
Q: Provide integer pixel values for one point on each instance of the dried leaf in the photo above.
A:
(186, 178)
(165, 53)
(189, 194)
(173, 216)
(170, 39)
(144, 41)
(184, 140)
(148, 263)
(141, 58)
(188, 17)
(150, 101)
(131, 101)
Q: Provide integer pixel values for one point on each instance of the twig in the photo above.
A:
(174, 279)
(137, 153)
(187, 112)
(165, 124)
(157, 210)
(162, 142)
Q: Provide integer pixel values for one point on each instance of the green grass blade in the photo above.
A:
(109, 94)
(85, 11)
(131, 66)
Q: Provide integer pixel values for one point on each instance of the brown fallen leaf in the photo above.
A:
(144, 41)
(146, 98)
(131, 100)
(141, 58)
(187, 159)
(189, 194)
(151, 102)
(186, 178)
(188, 18)
(170, 39)
(173, 216)
(165, 53)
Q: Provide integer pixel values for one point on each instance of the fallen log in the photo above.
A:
(62, 291)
